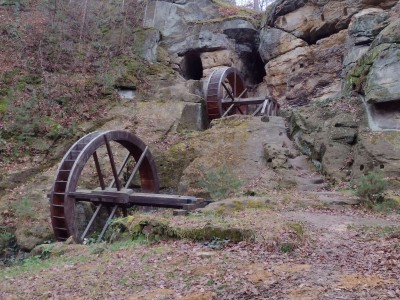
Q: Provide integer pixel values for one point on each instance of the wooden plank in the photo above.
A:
(127, 197)
(265, 104)
(245, 101)
(161, 200)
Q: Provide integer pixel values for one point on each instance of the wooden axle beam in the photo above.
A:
(127, 198)
(245, 101)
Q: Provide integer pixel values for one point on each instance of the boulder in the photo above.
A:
(197, 37)
(36, 234)
(275, 42)
(242, 31)
(233, 146)
(307, 73)
(383, 81)
(184, 26)
(375, 75)
(219, 58)
(185, 91)
(203, 41)
(327, 133)
(173, 18)
(378, 152)
(240, 153)
(146, 42)
(193, 117)
(367, 24)
(312, 21)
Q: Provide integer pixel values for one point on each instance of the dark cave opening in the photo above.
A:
(253, 71)
(191, 66)
(386, 114)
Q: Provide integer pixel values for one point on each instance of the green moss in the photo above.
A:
(31, 79)
(162, 54)
(223, 19)
(356, 77)
(234, 12)
(3, 105)
(208, 233)
(392, 137)
(9, 76)
(158, 229)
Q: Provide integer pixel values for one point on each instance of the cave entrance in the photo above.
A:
(191, 66)
(386, 115)
(253, 68)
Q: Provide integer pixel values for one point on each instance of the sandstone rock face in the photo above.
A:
(275, 42)
(28, 238)
(323, 38)
(367, 24)
(258, 154)
(363, 29)
(146, 43)
(312, 21)
(336, 137)
(215, 59)
(375, 75)
(379, 152)
(327, 137)
(383, 82)
(198, 39)
(307, 72)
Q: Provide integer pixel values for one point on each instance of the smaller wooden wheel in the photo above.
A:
(106, 162)
(226, 94)
(224, 86)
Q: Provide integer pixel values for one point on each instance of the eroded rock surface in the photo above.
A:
(257, 153)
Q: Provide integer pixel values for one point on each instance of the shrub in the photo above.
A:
(220, 183)
(371, 188)
(23, 208)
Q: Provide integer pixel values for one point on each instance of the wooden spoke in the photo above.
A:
(110, 217)
(89, 225)
(228, 110)
(258, 110)
(228, 91)
(98, 169)
(264, 107)
(112, 162)
(242, 93)
(120, 169)
(269, 108)
(136, 168)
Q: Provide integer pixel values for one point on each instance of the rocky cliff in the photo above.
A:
(332, 65)
(339, 58)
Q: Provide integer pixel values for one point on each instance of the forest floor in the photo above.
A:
(340, 252)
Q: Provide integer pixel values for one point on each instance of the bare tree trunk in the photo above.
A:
(83, 19)
(123, 12)
(257, 5)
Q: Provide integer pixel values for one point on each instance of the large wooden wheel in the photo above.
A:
(97, 162)
(224, 86)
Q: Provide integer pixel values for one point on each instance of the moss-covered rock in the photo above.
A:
(29, 237)
(327, 134)
(146, 43)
